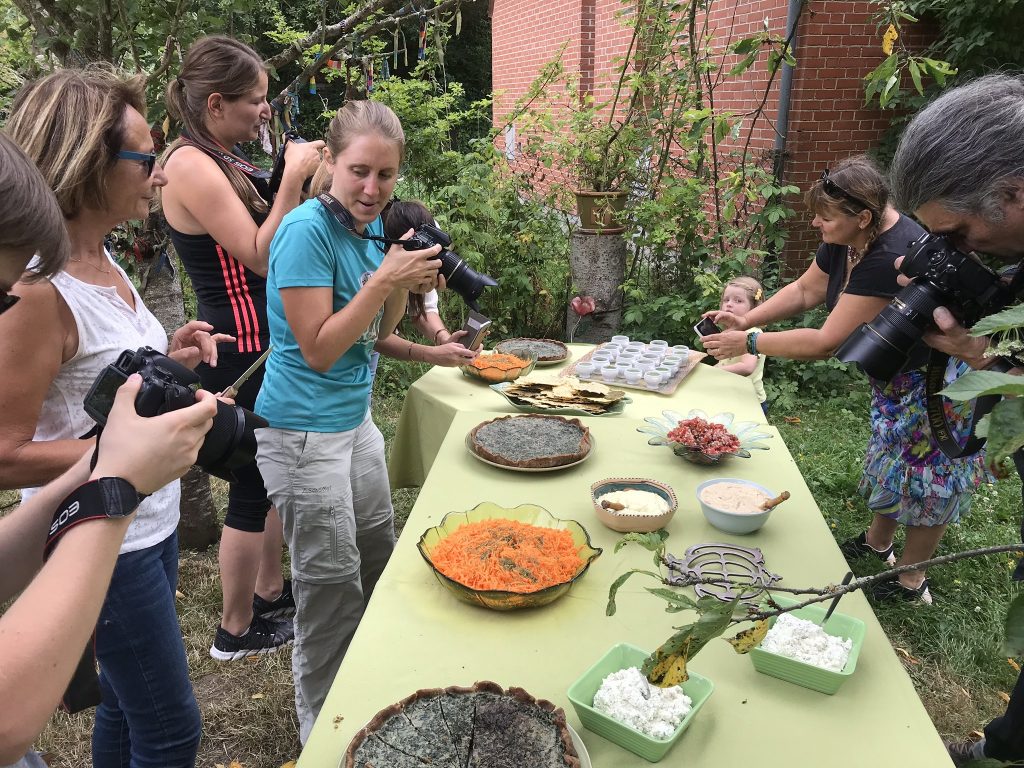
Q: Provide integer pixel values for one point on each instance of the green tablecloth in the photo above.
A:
(436, 397)
(416, 635)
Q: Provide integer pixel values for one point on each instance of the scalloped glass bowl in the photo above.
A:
(747, 432)
(499, 600)
(495, 375)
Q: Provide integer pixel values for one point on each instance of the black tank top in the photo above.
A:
(231, 297)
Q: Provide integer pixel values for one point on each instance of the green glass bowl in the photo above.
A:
(622, 656)
(808, 675)
(499, 600)
(494, 375)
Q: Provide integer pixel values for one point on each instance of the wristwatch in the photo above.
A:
(95, 500)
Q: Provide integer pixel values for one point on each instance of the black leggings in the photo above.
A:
(247, 498)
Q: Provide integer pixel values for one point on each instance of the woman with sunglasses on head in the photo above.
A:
(221, 221)
(907, 479)
(86, 132)
(333, 290)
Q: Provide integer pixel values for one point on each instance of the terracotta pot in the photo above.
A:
(599, 211)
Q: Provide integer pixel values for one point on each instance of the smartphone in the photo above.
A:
(706, 327)
(477, 327)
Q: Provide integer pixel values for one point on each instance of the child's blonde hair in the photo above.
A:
(748, 285)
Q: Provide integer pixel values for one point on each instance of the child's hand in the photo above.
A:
(724, 319)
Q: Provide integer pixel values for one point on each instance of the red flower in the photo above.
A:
(583, 305)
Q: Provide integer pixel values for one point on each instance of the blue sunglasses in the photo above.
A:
(149, 159)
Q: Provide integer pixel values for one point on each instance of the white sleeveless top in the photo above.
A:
(106, 327)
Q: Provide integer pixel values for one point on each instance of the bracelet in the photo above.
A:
(408, 353)
(752, 342)
(437, 333)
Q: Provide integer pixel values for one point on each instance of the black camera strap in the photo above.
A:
(344, 218)
(947, 442)
(260, 178)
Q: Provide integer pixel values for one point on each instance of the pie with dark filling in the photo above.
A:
(531, 441)
(480, 727)
(545, 350)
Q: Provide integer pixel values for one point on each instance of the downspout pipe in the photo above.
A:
(785, 92)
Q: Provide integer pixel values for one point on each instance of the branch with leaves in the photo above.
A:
(337, 35)
(667, 664)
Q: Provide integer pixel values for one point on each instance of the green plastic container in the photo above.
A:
(808, 675)
(581, 694)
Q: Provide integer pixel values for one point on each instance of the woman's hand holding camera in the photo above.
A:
(151, 452)
(414, 271)
(301, 159)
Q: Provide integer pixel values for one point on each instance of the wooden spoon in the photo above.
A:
(772, 503)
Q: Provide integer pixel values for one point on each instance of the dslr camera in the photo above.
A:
(167, 386)
(460, 277)
(278, 172)
(945, 277)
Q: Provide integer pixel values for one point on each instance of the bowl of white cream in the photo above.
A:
(633, 504)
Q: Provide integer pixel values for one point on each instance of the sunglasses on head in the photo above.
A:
(834, 190)
(7, 300)
(148, 159)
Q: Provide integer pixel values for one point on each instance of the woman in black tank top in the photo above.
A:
(221, 224)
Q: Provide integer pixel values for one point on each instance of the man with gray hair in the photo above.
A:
(960, 168)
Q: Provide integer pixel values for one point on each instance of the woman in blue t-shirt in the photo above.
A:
(332, 291)
(907, 480)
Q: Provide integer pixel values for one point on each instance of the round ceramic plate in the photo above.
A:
(581, 748)
(509, 345)
(469, 446)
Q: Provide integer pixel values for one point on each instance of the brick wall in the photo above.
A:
(837, 44)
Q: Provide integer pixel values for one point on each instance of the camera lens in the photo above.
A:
(231, 442)
(881, 348)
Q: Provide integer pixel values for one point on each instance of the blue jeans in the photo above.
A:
(148, 717)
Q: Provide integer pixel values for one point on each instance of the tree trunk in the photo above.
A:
(598, 263)
(199, 526)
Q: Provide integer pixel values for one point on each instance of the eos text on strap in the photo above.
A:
(106, 497)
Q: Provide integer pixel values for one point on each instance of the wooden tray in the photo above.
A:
(693, 359)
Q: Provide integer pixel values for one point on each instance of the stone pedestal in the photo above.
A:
(598, 263)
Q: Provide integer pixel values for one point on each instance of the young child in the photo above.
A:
(741, 295)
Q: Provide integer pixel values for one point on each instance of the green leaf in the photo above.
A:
(614, 588)
(1013, 642)
(652, 542)
(974, 384)
(1006, 320)
(747, 44)
(1005, 430)
(673, 598)
(915, 75)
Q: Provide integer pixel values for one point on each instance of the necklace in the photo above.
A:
(93, 266)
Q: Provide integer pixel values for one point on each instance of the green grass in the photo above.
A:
(951, 650)
(956, 642)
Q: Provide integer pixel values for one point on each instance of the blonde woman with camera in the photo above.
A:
(333, 290)
(222, 218)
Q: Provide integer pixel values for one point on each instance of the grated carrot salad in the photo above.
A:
(507, 555)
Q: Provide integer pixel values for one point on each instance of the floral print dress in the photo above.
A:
(906, 476)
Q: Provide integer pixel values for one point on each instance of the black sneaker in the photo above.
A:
(282, 606)
(263, 636)
(891, 589)
(859, 547)
(965, 752)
